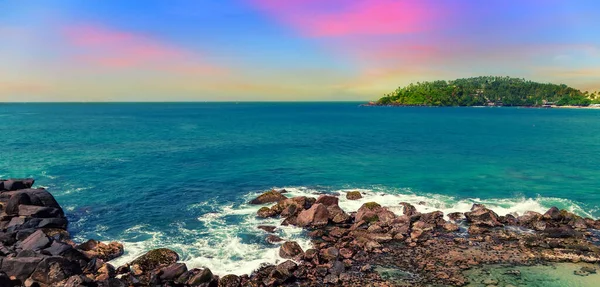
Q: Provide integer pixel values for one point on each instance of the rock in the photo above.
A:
(19, 267)
(287, 268)
(265, 212)
(230, 281)
(39, 211)
(529, 219)
(172, 271)
(268, 197)
(267, 228)
(12, 206)
(563, 231)
(336, 214)
(483, 217)
(156, 258)
(273, 239)
(337, 268)
(96, 249)
(435, 218)
(489, 281)
(331, 279)
(346, 253)
(368, 212)
(353, 195)
(316, 215)
(52, 270)
(552, 214)
(16, 184)
(456, 216)
(40, 197)
(199, 277)
(450, 227)
(36, 241)
(408, 209)
(57, 248)
(290, 249)
(330, 254)
(327, 200)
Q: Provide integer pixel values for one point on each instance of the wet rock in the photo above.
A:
(553, 214)
(266, 212)
(230, 281)
(199, 277)
(317, 215)
(563, 231)
(268, 197)
(172, 271)
(456, 216)
(353, 195)
(156, 258)
(482, 216)
(273, 239)
(529, 219)
(38, 211)
(267, 228)
(40, 197)
(58, 248)
(327, 200)
(408, 209)
(331, 279)
(290, 249)
(435, 218)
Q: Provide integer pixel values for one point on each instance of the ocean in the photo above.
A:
(179, 175)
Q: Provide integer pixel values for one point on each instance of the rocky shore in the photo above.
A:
(349, 249)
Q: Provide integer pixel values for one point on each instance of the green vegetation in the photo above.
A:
(491, 91)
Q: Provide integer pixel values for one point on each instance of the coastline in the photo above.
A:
(591, 107)
(348, 248)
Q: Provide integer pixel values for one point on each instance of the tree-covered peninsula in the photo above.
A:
(488, 91)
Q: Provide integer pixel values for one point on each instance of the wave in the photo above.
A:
(231, 243)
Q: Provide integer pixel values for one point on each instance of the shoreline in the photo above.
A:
(348, 248)
(371, 104)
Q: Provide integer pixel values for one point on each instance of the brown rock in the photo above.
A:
(290, 249)
(265, 212)
(408, 209)
(353, 195)
(267, 228)
(268, 197)
(327, 200)
(368, 212)
(482, 216)
(317, 215)
(336, 214)
(156, 258)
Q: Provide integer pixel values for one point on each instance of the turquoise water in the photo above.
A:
(178, 174)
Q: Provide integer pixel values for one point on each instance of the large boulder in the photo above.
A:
(353, 195)
(156, 258)
(327, 200)
(368, 212)
(316, 215)
(16, 184)
(268, 197)
(172, 271)
(482, 216)
(39, 211)
(290, 249)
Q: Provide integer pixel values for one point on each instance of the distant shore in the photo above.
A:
(590, 107)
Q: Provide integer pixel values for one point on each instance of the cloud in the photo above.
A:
(105, 47)
(340, 18)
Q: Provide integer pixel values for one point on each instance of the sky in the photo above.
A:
(285, 50)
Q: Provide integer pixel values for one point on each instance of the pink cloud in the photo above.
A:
(110, 48)
(319, 18)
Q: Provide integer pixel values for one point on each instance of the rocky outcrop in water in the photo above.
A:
(370, 247)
